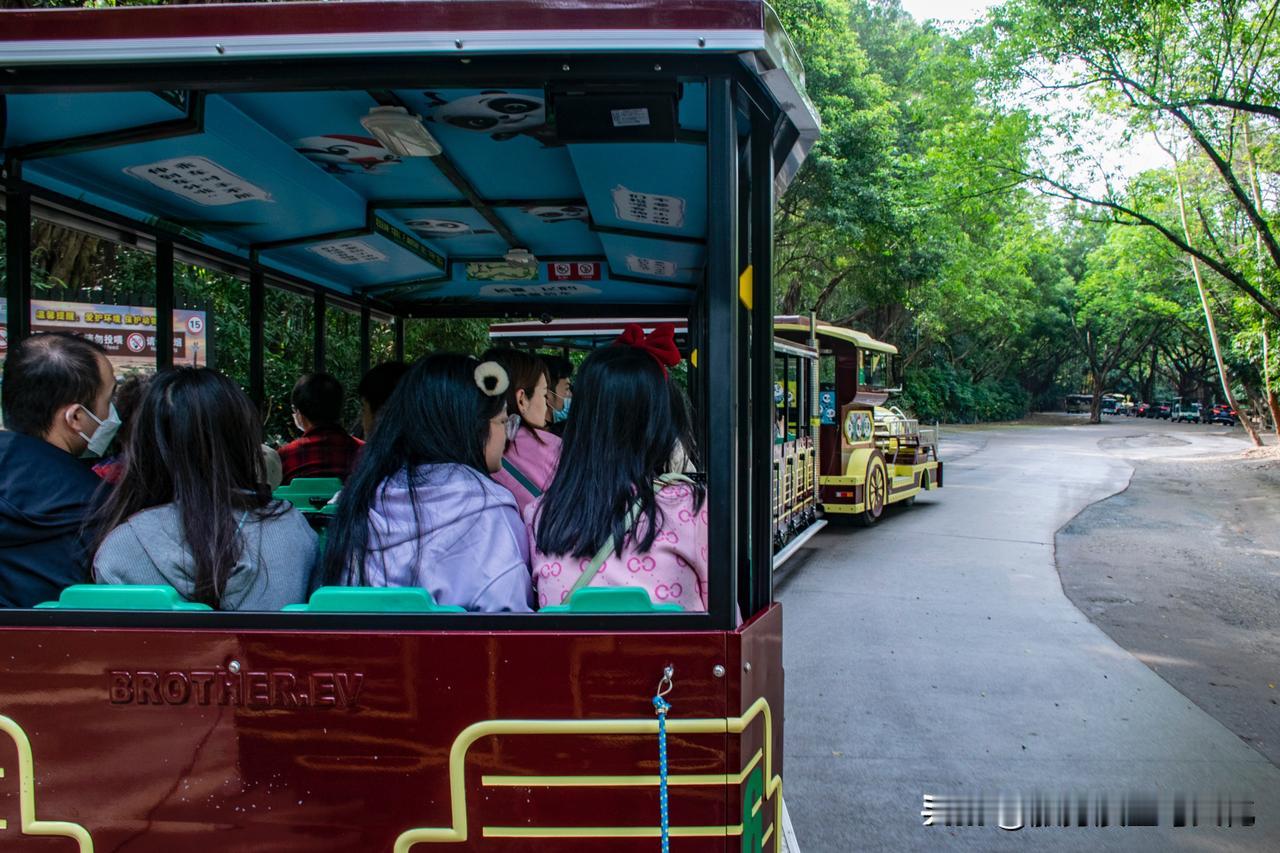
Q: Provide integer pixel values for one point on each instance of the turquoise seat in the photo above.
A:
(611, 599)
(309, 494)
(372, 599)
(88, 596)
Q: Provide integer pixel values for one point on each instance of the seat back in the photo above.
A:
(372, 599)
(611, 599)
(309, 494)
(89, 596)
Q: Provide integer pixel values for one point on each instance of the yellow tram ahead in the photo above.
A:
(505, 159)
(870, 455)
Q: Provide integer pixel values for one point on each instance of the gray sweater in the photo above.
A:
(273, 570)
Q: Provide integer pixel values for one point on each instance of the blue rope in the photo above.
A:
(660, 707)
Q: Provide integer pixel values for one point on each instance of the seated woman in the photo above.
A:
(192, 509)
(420, 510)
(532, 452)
(616, 514)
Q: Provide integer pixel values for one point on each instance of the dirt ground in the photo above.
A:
(1183, 570)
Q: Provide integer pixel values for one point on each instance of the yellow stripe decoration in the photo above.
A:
(746, 294)
(459, 831)
(639, 781)
(27, 794)
(610, 831)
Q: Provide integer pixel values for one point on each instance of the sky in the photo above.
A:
(947, 10)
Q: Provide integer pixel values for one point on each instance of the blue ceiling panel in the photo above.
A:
(659, 260)
(42, 118)
(454, 231)
(359, 261)
(560, 230)
(654, 187)
(495, 134)
(583, 282)
(234, 177)
(693, 107)
(324, 127)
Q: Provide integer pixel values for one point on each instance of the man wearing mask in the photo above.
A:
(325, 448)
(57, 407)
(559, 390)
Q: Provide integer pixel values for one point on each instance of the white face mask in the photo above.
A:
(104, 434)
(513, 426)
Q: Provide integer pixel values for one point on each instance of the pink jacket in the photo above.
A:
(673, 570)
(535, 460)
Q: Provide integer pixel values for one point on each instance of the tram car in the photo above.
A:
(870, 454)
(453, 159)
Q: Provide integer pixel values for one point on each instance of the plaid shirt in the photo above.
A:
(321, 452)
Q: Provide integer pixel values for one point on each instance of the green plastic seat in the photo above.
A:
(372, 599)
(309, 494)
(88, 596)
(611, 599)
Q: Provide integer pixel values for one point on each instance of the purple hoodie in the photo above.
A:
(465, 544)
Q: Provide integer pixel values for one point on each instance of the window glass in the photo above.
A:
(211, 321)
(288, 332)
(342, 357)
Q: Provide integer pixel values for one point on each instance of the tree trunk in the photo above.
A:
(1095, 406)
(1208, 317)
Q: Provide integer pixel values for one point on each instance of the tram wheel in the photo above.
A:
(877, 492)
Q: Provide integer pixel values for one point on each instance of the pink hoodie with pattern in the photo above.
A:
(674, 569)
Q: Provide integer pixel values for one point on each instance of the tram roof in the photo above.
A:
(574, 130)
(840, 333)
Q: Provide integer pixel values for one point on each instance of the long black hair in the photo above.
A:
(196, 443)
(437, 414)
(620, 439)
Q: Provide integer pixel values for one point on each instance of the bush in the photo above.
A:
(943, 393)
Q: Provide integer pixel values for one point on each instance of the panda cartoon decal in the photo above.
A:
(340, 154)
(501, 114)
(558, 213)
(444, 228)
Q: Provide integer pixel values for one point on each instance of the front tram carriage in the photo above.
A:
(515, 158)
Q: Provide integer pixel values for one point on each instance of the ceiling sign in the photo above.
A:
(200, 180)
(348, 252)
(648, 208)
(651, 266)
(573, 271)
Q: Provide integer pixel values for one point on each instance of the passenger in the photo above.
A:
(559, 390)
(532, 453)
(325, 449)
(56, 399)
(128, 396)
(375, 389)
(421, 509)
(193, 509)
(615, 514)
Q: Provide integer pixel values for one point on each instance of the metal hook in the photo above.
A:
(665, 685)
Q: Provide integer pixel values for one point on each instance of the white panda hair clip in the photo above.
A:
(491, 378)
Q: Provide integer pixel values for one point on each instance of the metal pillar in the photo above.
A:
(398, 330)
(364, 339)
(319, 304)
(761, 205)
(257, 338)
(721, 353)
(164, 303)
(17, 220)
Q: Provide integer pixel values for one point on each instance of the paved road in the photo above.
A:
(937, 654)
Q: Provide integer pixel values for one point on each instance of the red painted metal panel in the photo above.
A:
(271, 19)
(340, 742)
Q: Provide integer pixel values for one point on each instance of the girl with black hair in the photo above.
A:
(616, 513)
(420, 510)
(533, 452)
(192, 509)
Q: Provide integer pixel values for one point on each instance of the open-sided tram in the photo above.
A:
(515, 158)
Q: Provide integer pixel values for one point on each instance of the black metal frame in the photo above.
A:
(719, 324)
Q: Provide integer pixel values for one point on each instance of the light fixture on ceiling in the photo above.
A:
(401, 132)
(520, 257)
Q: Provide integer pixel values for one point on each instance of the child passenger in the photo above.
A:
(616, 514)
(420, 510)
(532, 453)
(192, 509)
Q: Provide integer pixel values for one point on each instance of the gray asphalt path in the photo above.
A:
(937, 654)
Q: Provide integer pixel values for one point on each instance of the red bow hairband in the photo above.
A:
(660, 343)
